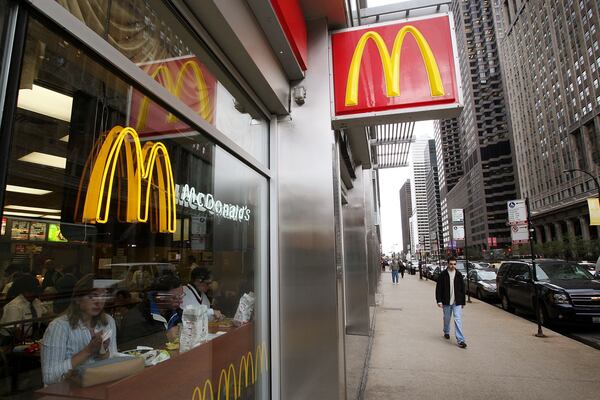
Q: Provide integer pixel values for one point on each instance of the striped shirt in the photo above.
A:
(61, 343)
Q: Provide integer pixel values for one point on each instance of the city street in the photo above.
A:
(410, 359)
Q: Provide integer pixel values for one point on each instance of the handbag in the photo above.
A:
(107, 370)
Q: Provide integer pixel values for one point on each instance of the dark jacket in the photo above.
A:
(442, 289)
(139, 328)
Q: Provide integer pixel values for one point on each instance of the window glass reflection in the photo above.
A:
(149, 34)
(116, 215)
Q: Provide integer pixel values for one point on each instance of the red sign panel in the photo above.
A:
(402, 67)
(188, 80)
(292, 21)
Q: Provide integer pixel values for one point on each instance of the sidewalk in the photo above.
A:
(410, 359)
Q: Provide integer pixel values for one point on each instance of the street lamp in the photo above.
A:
(587, 173)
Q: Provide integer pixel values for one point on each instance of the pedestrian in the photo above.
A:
(395, 269)
(402, 268)
(450, 296)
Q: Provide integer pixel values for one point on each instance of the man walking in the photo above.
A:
(402, 268)
(450, 295)
(395, 269)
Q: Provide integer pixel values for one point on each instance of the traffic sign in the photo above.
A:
(517, 212)
(519, 233)
(458, 232)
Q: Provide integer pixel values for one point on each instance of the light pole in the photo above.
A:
(587, 173)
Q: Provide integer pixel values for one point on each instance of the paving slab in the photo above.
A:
(410, 359)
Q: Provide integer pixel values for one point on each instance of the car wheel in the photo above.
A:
(506, 306)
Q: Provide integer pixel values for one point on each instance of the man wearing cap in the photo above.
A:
(195, 291)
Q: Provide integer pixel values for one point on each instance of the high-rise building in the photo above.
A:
(550, 56)
(420, 167)
(405, 214)
(433, 200)
(449, 165)
(488, 177)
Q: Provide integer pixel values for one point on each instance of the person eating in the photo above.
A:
(196, 291)
(82, 335)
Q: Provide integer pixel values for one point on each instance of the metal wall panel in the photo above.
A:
(309, 334)
(355, 258)
(371, 235)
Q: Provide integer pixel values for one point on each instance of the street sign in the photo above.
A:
(458, 215)
(458, 232)
(517, 212)
(519, 233)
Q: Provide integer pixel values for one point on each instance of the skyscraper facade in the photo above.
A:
(405, 214)
(485, 145)
(550, 55)
(420, 167)
(433, 200)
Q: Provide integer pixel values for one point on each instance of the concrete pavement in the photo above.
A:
(410, 359)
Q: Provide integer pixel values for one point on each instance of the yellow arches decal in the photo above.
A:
(252, 366)
(391, 64)
(150, 164)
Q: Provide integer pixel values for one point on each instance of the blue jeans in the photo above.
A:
(457, 311)
(394, 276)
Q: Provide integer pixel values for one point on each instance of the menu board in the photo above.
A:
(54, 233)
(3, 228)
(20, 230)
(37, 231)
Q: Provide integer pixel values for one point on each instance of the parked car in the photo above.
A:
(482, 283)
(428, 270)
(436, 272)
(568, 292)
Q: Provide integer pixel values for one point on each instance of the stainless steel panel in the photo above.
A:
(307, 298)
(371, 236)
(355, 259)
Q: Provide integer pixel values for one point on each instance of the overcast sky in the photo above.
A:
(390, 182)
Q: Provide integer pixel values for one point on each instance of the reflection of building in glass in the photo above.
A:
(552, 81)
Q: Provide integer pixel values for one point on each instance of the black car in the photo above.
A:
(482, 283)
(436, 273)
(568, 292)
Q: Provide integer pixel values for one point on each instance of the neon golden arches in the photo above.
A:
(162, 71)
(140, 164)
(391, 64)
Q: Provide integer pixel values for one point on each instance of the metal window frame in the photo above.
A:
(121, 65)
(14, 46)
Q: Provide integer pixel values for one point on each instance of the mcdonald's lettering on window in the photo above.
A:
(400, 68)
(185, 78)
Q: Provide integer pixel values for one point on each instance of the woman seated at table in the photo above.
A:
(154, 321)
(195, 291)
(76, 337)
(23, 305)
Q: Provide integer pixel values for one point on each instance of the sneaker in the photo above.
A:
(446, 336)
(462, 345)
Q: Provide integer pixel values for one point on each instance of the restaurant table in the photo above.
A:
(182, 375)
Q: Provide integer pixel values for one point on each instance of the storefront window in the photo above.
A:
(111, 228)
(149, 34)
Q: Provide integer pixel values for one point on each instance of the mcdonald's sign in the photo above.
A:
(188, 80)
(391, 72)
(149, 180)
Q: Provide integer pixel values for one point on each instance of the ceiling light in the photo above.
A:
(26, 190)
(47, 102)
(51, 216)
(64, 139)
(25, 208)
(20, 214)
(45, 159)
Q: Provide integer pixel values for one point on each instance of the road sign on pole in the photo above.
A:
(517, 212)
(458, 232)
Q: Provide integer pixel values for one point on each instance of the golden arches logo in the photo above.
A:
(391, 64)
(163, 73)
(250, 368)
(141, 163)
